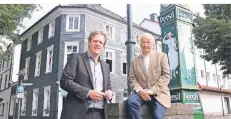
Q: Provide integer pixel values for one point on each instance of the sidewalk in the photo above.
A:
(220, 117)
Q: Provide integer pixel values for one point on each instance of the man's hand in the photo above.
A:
(108, 94)
(144, 94)
(95, 95)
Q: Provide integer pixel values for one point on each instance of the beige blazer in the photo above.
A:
(157, 78)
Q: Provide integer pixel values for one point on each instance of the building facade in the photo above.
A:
(48, 44)
(9, 66)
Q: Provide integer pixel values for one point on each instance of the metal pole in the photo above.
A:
(18, 105)
(130, 44)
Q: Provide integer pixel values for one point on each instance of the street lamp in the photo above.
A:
(19, 94)
(222, 86)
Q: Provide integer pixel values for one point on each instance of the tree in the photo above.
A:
(213, 34)
(11, 18)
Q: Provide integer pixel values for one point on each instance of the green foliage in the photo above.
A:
(213, 34)
(11, 18)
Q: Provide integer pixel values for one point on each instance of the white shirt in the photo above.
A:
(97, 76)
(146, 61)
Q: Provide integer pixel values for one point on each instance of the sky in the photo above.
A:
(139, 11)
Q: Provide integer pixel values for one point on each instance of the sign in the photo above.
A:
(20, 95)
(175, 96)
(183, 15)
(20, 89)
(167, 17)
(191, 97)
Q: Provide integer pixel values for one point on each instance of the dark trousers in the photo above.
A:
(134, 102)
(94, 114)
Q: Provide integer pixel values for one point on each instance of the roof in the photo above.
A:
(148, 20)
(151, 26)
(215, 89)
(94, 7)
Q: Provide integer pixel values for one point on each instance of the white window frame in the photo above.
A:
(35, 102)
(24, 104)
(49, 69)
(137, 38)
(38, 59)
(67, 23)
(123, 36)
(113, 58)
(112, 37)
(208, 76)
(51, 29)
(123, 60)
(69, 43)
(214, 77)
(27, 68)
(12, 102)
(46, 101)
(40, 36)
(29, 43)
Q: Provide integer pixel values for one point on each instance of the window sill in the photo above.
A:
(50, 36)
(36, 76)
(39, 43)
(70, 30)
(47, 72)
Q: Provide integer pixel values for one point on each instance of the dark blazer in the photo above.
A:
(77, 81)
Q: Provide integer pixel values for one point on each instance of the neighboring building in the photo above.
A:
(48, 44)
(208, 75)
(9, 66)
(213, 86)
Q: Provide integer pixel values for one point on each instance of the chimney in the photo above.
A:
(153, 17)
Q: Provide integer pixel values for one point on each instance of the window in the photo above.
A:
(46, 103)
(2, 107)
(12, 101)
(8, 60)
(38, 63)
(202, 74)
(49, 59)
(109, 59)
(35, 102)
(208, 75)
(123, 36)
(224, 81)
(110, 32)
(137, 40)
(6, 81)
(23, 105)
(0, 65)
(219, 79)
(70, 47)
(73, 23)
(214, 77)
(40, 36)
(124, 63)
(29, 43)
(0, 82)
(27, 68)
(51, 29)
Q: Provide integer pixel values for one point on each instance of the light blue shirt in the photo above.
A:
(97, 80)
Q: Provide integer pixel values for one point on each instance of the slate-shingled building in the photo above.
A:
(49, 42)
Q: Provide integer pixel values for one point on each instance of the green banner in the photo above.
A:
(192, 97)
(186, 54)
(170, 47)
